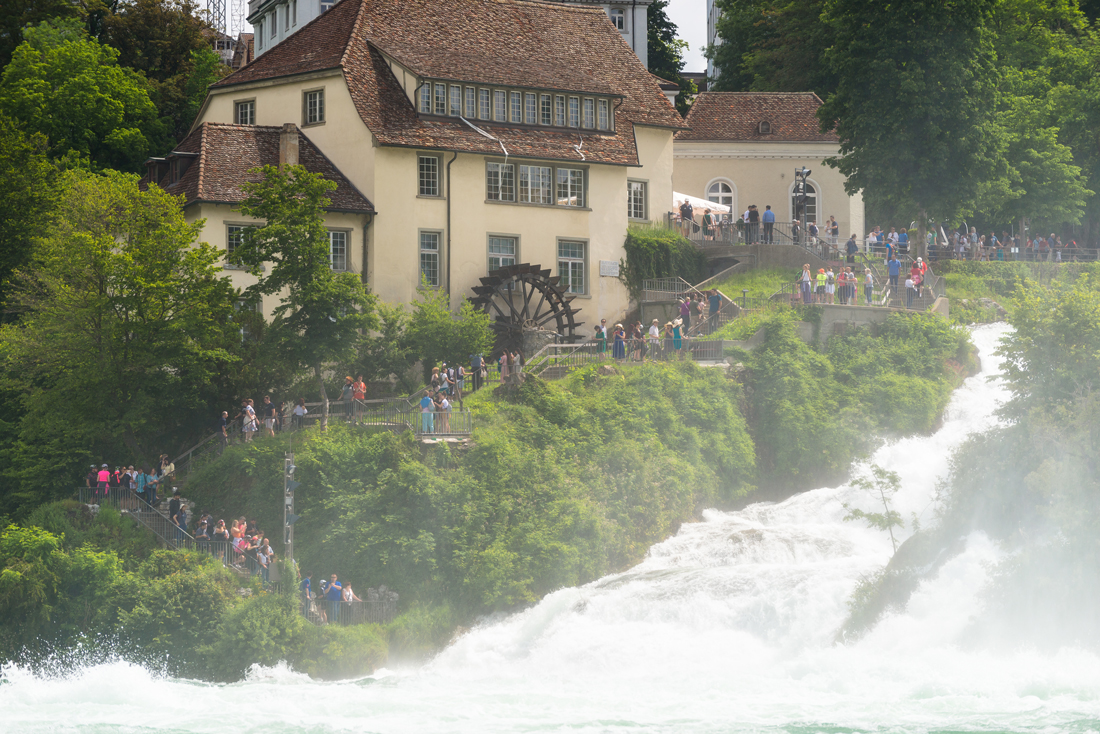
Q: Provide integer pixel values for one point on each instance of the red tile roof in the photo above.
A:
(227, 153)
(507, 42)
(737, 116)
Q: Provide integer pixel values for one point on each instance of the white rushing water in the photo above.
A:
(727, 627)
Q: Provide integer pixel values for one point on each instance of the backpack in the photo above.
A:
(830, 278)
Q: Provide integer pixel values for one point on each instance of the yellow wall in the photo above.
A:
(388, 177)
(763, 173)
(219, 216)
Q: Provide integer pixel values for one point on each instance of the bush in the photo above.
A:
(659, 253)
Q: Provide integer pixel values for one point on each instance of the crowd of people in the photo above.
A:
(961, 244)
(841, 287)
(137, 488)
(325, 603)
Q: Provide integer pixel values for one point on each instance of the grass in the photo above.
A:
(760, 283)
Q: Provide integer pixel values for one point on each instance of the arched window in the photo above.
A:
(721, 192)
(811, 204)
(765, 128)
(618, 18)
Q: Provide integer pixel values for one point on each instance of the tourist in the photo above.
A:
(618, 348)
(851, 248)
(359, 394)
(103, 480)
(248, 420)
(754, 227)
(708, 225)
(668, 335)
(637, 343)
(687, 217)
(909, 292)
(677, 335)
(223, 431)
(298, 415)
(601, 337)
(349, 595)
(894, 269)
(91, 479)
(476, 361)
(202, 529)
(427, 422)
(451, 379)
(685, 312)
(833, 228)
(769, 223)
(868, 284)
(715, 302)
(654, 338)
(444, 413)
(347, 394)
(903, 241)
(830, 285)
(460, 382)
(267, 413)
(819, 288)
(174, 507)
(334, 594)
(805, 280)
(221, 534)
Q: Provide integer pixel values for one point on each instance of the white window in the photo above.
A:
(570, 187)
(246, 112)
(544, 109)
(426, 98)
(456, 100)
(274, 24)
(517, 106)
(315, 107)
(428, 172)
(234, 238)
(721, 192)
(574, 112)
(471, 103)
(260, 33)
(559, 111)
(502, 252)
(811, 204)
(429, 258)
(483, 104)
(589, 113)
(500, 182)
(327, 5)
(618, 19)
(636, 199)
(603, 118)
(293, 13)
(500, 106)
(530, 103)
(571, 266)
(535, 185)
(440, 99)
(338, 250)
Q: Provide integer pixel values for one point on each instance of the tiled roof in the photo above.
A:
(227, 153)
(665, 83)
(507, 42)
(737, 116)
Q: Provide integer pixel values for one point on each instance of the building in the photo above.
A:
(483, 133)
(244, 50)
(208, 167)
(275, 20)
(713, 14)
(742, 148)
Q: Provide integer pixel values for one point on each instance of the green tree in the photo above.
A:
(124, 325)
(28, 195)
(666, 53)
(72, 90)
(321, 313)
(742, 27)
(16, 15)
(166, 41)
(916, 96)
(435, 334)
(882, 485)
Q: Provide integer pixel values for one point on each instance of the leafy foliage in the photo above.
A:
(883, 484)
(659, 253)
(72, 90)
(665, 53)
(436, 334)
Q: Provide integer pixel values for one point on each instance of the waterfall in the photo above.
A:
(729, 626)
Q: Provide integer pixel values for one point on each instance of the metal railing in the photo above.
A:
(174, 537)
(367, 611)
(558, 360)
(1014, 254)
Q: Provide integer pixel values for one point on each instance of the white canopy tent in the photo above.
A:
(699, 205)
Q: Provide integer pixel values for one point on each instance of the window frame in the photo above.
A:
(569, 181)
(559, 110)
(588, 113)
(346, 234)
(437, 160)
(530, 108)
(545, 109)
(603, 115)
(229, 233)
(260, 35)
(437, 252)
(489, 237)
(500, 105)
(274, 16)
(502, 166)
(426, 98)
(471, 103)
(549, 190)
(484, 104)
(439, 99)
(630, 199)
(306, 122)
(292, 9)
(454, 105)
(582, 261)
(237, 104)
(618, 19)
(574, 112)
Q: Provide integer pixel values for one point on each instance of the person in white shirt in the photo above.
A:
(910, 291)
(868, 284)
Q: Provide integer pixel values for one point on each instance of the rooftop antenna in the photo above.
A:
(216, 8)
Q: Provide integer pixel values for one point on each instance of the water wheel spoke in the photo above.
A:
(497, 295)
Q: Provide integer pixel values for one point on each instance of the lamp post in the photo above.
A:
(800, 175)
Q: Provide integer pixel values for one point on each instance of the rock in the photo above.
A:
(605, 369)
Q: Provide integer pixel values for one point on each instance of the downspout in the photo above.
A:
(368, 219)
(634, 29)
(448, 198)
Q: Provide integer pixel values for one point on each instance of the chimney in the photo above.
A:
(288, 145)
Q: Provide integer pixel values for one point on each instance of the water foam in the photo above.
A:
(728, 626)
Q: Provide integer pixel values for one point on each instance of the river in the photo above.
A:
(727, 627)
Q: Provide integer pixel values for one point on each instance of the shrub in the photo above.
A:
(659, 253)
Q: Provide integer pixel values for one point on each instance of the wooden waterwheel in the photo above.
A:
(525, 297)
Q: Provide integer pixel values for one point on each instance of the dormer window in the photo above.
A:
(765, 128)
(441, 98)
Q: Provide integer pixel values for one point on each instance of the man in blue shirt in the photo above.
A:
(895, 269)
(334, 593)
(769, 223)
(903, 241)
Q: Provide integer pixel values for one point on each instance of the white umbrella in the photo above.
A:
(697, 204)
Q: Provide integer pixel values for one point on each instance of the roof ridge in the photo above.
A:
(202, 160)
(351, 34)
